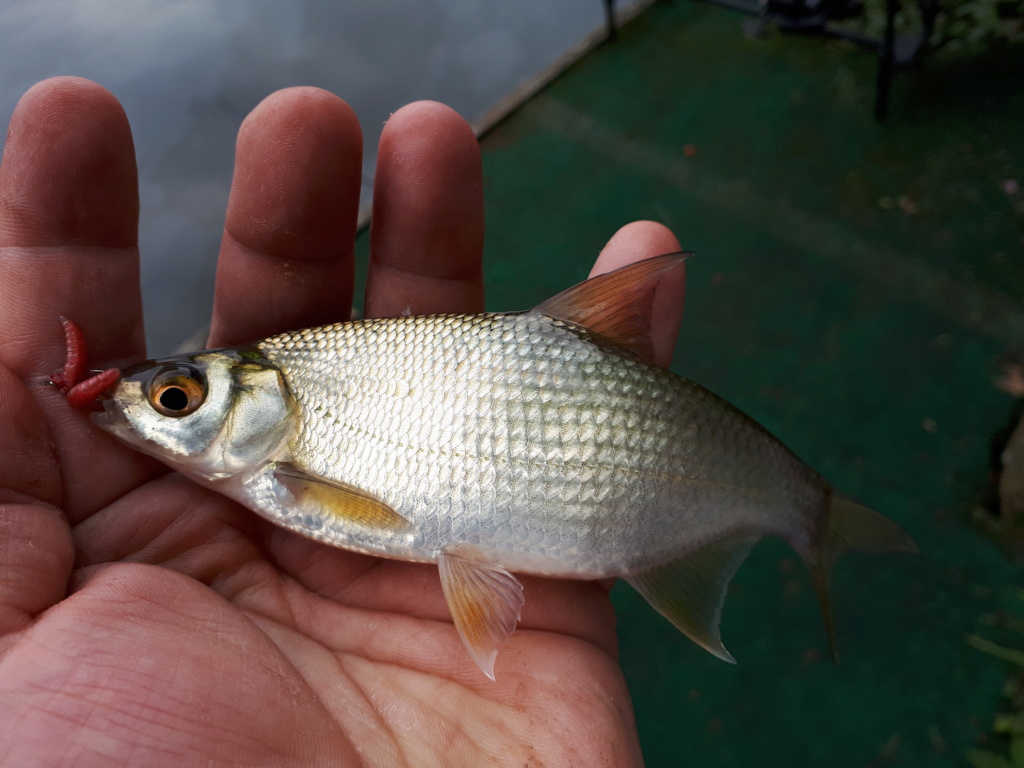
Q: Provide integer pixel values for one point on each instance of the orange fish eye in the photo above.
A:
(177, 391)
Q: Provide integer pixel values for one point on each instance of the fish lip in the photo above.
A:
(111, 418)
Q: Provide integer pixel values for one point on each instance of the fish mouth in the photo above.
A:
(111, 418)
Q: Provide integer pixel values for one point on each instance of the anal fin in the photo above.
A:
(485, 601)
(690, 591)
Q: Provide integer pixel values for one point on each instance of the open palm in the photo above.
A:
(147, 621)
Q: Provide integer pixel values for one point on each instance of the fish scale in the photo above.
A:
(532, 446)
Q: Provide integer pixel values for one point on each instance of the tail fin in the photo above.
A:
(851, 526)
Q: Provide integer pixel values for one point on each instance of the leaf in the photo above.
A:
(1011, 724)
(1011, 655)
(1017, 752)
(979, 758)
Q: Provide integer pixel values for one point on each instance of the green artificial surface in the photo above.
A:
(852, 285)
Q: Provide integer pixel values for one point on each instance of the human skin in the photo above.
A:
(147, 621)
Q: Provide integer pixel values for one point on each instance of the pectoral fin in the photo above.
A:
(690, 591)
(485, 601)
(336, 499)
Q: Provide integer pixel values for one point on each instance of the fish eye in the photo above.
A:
(177, 390)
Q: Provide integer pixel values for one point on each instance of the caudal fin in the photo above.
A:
(690, 591)
(851, 526)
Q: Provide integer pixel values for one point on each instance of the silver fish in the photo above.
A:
(536, 442)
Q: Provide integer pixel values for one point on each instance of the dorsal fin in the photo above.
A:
(617, 305)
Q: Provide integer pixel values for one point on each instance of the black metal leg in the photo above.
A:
(886, 61)
(609, 17)
(929, 10)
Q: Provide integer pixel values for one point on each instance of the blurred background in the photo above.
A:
(189, 71)
(857, 288)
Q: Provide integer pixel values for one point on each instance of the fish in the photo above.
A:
(538, 442)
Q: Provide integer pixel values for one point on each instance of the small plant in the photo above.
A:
(960, 24)
(973, 23)
(981, 758)
(1009, 724)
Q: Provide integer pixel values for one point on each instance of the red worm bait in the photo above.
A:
(81, 392)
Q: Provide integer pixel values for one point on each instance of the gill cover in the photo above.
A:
(213, 414)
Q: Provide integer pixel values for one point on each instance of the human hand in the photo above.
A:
(145, 620)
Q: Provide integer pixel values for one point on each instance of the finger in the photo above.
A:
(38, 554)
(643, 240)
(68, 229)
(427, 235)
(286, 256)
(68, 222)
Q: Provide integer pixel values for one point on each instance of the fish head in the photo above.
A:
(214, 414)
